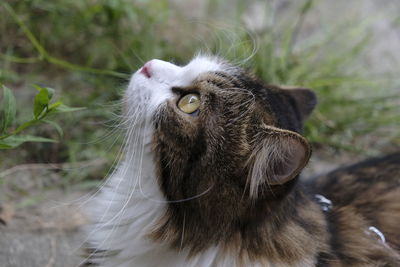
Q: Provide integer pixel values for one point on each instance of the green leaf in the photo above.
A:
(50, 91)
(4, 145)
(38, 87)
(56, 126)
(64, 108)
(15, 141)
(8, 110)
(55, 105)
(41, 102)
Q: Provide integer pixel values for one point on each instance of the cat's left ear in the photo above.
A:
(278, 156)
(305, 99)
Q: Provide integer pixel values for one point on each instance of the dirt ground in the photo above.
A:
(39, 229)
(43, 235)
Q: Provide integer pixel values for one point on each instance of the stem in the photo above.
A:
(21, 128)
(27, 60)
(43, 55)
(25, 29)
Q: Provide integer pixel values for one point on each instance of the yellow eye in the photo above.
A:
(189, 103)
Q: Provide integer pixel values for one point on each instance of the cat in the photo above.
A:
(210, 177)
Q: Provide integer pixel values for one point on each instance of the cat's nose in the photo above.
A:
(160, 70)
(146, 69)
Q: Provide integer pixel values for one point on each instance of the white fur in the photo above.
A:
(130, 202)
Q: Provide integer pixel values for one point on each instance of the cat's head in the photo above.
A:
(225, 146)
(217, 129)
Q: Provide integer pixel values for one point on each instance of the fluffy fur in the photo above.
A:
(221, 187)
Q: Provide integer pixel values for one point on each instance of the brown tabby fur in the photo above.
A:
(212, 156)
(363, 195)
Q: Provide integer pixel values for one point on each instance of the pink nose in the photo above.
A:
(146, 71)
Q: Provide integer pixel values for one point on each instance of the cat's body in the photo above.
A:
(211, 178)
(364, 195)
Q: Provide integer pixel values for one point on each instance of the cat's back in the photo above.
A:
(371, 189)
(375, 176)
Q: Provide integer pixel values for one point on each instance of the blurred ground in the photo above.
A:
(44, 234)
(41, 219)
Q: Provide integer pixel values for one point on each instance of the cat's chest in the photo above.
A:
(128, 209)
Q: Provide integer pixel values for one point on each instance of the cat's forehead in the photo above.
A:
(202, 64)
(182, 76)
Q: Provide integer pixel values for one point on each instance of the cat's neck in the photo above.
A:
(270, 229)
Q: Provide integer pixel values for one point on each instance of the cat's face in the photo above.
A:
(220, 138)
(212, 122)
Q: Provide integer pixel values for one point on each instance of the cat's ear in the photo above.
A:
(278, 156)
(304, 98)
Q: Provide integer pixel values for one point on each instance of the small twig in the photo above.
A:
(331, 124)
(52, 166)
(52, 259)
(27, 60)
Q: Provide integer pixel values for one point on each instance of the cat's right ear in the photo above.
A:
(278, 156)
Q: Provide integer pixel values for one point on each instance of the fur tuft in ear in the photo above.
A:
(305, 100)
(278, 157)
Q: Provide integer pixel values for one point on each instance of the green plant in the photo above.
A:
(11, 137)
(92, 45)
(353, 102)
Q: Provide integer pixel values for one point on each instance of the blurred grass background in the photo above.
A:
(86, 50)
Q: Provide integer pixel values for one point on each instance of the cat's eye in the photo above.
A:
(189, 103)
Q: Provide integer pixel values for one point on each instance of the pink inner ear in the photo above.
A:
(293, 159)
(277, 158)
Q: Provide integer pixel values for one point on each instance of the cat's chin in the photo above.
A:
(145, 95)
